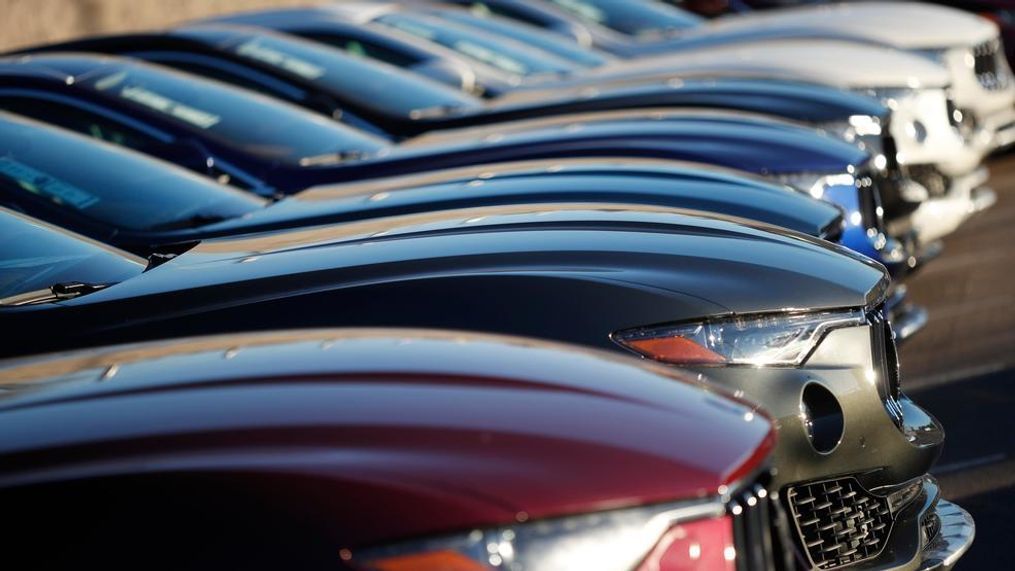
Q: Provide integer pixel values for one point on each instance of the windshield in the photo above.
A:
(632, 17)
(233, 117)
(501, 53)
(109, 184)
(481, 18)
(370, 85)
(35, 256)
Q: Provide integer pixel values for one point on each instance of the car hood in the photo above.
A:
(749, 143)
(659, 183)
(905, 25)
(806, 102)
(856, 65)
(699, 257)
(448, 430)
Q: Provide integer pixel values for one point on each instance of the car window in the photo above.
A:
(534, 37)
(361, 47)
(100, 182)
(378, 88)
(632, 17)
(503, 54)
(35, 256)
(232, 117)
(80, 120)
(507, 11)
(231, 76)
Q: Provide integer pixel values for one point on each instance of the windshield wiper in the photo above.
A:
(56, 292)
(167, 252)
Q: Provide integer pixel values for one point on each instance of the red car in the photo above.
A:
(382, 450)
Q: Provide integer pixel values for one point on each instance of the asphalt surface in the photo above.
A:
(961, 368)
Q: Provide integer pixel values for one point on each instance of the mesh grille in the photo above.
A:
(987, 65)
(838, 522)
(936, 183)
(931, 526)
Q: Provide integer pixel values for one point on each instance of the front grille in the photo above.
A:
(891, 183)
(886, 360)
(759, 529)
(750, 513)
(936, 182)
(838, 522)
(890, 150)
(988, 66)
(931, 526)
(962, 120)
(869, 187)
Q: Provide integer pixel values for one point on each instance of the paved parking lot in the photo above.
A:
(962, 368)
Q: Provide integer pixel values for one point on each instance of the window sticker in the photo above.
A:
(163, 104)
(256, 50)
(42, 184)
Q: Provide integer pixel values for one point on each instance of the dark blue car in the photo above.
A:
(145, 205)
(272, 148)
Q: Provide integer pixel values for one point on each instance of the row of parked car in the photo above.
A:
(485, 284)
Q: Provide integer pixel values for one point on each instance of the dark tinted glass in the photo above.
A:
(35, 256)
(361, 47)
(633, 17)
(504, 54)
(238, 118)
(114, 186)
(370, 85)
(79, 120)
(529, 35)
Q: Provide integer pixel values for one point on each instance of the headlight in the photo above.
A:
(864, 131)
(889, 96)
(816, 184)
(780, 340)
(856, 126)
(667, 537)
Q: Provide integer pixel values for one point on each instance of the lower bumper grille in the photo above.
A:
(936, 182)
(838, 522)
(930, 527)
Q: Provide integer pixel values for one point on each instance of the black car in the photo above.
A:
(700, 292)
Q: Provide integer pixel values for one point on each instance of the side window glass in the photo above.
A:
(512, 14)
(81, 121)
(219, 74)
(366, 49)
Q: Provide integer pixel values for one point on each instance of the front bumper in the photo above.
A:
(939, 216)
(956, 534)
(850, 367)
(922, 128)
(879, 439)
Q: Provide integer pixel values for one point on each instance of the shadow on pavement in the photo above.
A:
(977, 468)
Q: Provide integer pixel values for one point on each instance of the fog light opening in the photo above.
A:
(822, 418)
